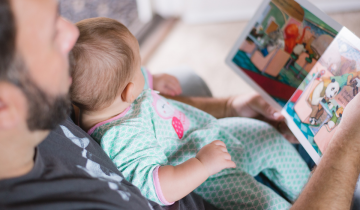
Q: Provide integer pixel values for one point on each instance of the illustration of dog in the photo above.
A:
(336, 115)
(325, 91)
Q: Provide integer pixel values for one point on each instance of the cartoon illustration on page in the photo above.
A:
(318, 104)
(282, 47)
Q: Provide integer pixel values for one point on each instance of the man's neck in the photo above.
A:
(88, 119)
(17, 150)
(16, 156)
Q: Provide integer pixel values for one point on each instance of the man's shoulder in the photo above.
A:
(68, 138)
(71, 145)
(71, 172)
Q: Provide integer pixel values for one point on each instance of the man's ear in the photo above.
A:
(127, 94)
(12, 106)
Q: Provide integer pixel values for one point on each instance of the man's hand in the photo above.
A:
(166, 84)
(254, 106)
(215, 157)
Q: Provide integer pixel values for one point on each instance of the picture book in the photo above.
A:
(303, 63)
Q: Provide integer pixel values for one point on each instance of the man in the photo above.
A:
(68, 170)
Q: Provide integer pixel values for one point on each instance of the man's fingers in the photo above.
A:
(291, 138)
(265, 109)
(277, 116)
(284, 130)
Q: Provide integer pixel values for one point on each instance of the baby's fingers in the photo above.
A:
(223, 149)
(174, 85)
(229, 164)
(219, 143)
(169, 91)
(174, 81)
(177, 86)
(173, 90)
(227, 156)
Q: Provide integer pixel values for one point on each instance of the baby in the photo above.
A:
(169, 149)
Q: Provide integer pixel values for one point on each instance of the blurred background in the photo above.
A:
(194, 33)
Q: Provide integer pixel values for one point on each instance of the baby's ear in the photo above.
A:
(127, 94)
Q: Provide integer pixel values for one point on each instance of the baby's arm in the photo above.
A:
(135, 151)
(178, 181)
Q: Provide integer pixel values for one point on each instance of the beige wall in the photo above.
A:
(209, 11)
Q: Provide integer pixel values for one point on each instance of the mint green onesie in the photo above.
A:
(155, 131)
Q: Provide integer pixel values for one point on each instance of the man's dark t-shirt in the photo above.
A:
(72, 172)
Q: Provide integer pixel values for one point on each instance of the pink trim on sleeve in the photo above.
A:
(107, 121)
(150, 79)
(158, 187)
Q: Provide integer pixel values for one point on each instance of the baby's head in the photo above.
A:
(106, 65)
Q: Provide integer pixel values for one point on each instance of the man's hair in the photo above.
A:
(103, 63)
(7, 38)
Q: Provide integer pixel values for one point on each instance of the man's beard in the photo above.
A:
(45, 112)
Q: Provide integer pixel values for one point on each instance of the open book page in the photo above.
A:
(276, 53)
(316, 107)
(279, 47)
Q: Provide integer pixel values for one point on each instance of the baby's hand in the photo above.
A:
(215, 157)
(166, 84)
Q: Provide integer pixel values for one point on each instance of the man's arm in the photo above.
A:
(217, 107)
(333, 183)
(247, 105)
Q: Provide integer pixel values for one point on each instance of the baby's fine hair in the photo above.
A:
(102, 63)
